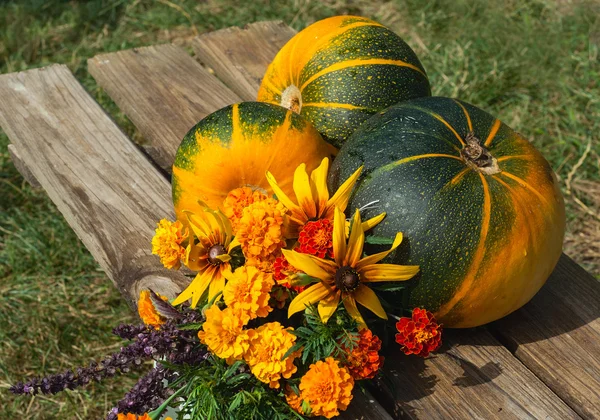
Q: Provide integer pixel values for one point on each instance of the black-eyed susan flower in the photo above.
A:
(348, 276)
(209, 256)
(312, 196)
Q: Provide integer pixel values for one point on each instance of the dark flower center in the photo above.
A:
(347, 279)
(214, 252)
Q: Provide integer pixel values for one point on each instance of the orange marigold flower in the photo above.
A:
(316, 238)
(148, 312)
(265, 356)
(260, 231)
(364, 360)
(224, 334)
(327, 387)
(167, 241)
(237, 200)
(420, 334)
(247, 292)
(293, 399)
(131, 416)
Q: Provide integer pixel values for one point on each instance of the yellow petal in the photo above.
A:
(372, 222)
(352, 310)
(310, 296)
(234, 242)
(355, 242)
(342, 195)
(313, 266)
(320, 192)
(304, 192)
(367, 298)
(196, 288)
(199, 226)
(388, 272)
(217, 284)
(339, 236)
(224, 258)
(375, 258)
(284, 199)
(328, 306)
(193, 257)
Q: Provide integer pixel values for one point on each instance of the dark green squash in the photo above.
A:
(479, 206)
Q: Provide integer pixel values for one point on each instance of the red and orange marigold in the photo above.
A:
(316, 238)
(364, 360)
(420, 334)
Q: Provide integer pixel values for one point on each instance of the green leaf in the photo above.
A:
(378, 240)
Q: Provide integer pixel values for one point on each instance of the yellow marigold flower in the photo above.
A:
(223, 333)
(148, 312)
(312, 196)
(327, 387)
(237, 200)
(247, 292)
(167, 241)
(347, 277)
(293, 399)
(267, 347)
(260, 231)
(209, 256)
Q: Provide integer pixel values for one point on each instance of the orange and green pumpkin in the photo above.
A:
(235, 146)
(479, 206)
(339, 71)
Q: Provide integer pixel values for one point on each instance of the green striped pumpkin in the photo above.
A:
(340, 71)
(479, 206)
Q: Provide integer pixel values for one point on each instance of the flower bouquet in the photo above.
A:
(300, 277)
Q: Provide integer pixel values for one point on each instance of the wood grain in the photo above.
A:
(472, 377)
(16, 159)
(106, 189)
(557, 335)
(240, 56)
(163, 91)
(364, 407)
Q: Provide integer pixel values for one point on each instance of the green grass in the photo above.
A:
(531, 63)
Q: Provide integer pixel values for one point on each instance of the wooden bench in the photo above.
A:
(542, 361)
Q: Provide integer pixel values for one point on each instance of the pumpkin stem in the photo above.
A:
(478, 157)
(291, 98)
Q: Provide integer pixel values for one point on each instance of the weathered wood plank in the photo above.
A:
(218, 52)
(473, 378)
(364, 407)
(163, 91)
(15, 156)
(108, 191)
(557, 335)
(240, 56)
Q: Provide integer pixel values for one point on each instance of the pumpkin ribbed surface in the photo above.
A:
(486, 238)
(341, 70)
(235, 146)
